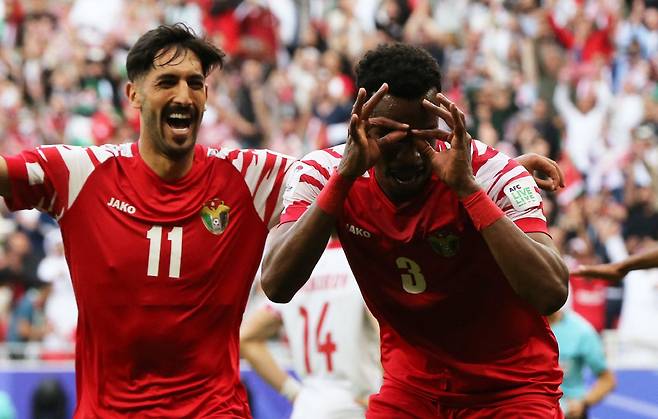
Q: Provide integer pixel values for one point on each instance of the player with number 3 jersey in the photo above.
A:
(447, 240)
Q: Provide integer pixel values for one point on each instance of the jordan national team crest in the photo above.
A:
(444, 243)
(214, 215)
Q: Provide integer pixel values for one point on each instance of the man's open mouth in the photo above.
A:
(407, 175)
(179, 122)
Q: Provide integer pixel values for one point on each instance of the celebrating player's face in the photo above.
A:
(173, 96)
(401, 171)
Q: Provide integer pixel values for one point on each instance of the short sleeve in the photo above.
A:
(510, 186)
(47, 178)
(264, 173)
(306, 180)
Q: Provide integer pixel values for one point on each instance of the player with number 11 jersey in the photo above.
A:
(160, 287)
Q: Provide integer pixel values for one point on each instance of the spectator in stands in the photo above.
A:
(28, 321)
(585, 120)
(61, 310)
(580, 348)
(20, 264)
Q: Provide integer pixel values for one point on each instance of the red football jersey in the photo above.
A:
(161, 270)
(452, 327)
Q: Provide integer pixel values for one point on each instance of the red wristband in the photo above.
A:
(333, 195)
(482, 210)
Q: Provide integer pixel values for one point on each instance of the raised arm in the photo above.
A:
(530, 262)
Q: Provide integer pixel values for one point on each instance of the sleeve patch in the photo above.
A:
(522, 194)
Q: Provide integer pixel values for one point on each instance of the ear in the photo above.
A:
(133, 96)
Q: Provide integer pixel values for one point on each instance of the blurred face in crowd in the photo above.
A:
(401, 171)
(171, 99)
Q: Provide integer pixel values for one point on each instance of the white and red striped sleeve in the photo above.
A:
(50, 178)
(264, 174)
(306, 180)
(510, 186)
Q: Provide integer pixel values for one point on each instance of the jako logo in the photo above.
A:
(358, 231)
(121, 206)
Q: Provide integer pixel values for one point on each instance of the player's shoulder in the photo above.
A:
(327, 158)
(482, 153)
(245, 157)
(84, 155)
(490, 164)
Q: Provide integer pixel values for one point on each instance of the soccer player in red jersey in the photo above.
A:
(163, 238)
(448, 242)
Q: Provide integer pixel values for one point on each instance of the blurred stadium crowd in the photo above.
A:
(571, 79)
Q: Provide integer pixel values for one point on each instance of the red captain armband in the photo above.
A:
(333, 195)
(482, 210)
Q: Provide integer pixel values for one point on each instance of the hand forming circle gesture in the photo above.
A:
(452, 166)
(361, 150)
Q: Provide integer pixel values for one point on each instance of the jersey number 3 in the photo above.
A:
(413, 280)
(175, 236)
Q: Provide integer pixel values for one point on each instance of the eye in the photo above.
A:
(196, 84)
(166, 83)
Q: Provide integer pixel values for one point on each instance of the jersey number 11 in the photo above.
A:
(175, 236)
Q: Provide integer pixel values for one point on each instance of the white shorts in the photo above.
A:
(326, 402)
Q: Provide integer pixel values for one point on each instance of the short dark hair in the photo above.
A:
(156, 42)
(409, 71)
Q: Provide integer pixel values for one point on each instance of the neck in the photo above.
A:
(164, 166)
(555, 317)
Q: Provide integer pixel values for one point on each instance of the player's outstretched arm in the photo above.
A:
(254, 333)
(530, 262)
(616, 271)
(295, 248)
(5, 189)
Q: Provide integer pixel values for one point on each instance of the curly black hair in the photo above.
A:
(157, 42)
(409, 71)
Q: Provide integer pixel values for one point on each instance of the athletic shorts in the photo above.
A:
(326, 402)
(393, 402)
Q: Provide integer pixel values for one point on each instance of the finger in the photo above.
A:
(545, 184)
(443, 100)
(360, 99)
(440, 112)
(392, 137)
(431, 133)
(424, 148)
(560, 173)
(550, 169)
(381, 121)
(354, 130)
(373, 101)
(460, 138)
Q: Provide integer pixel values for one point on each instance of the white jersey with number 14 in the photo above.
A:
(331, 337)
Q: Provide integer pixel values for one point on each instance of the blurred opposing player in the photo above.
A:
(447, 241)
(333, 342)
(580, 348)
(163, 238)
